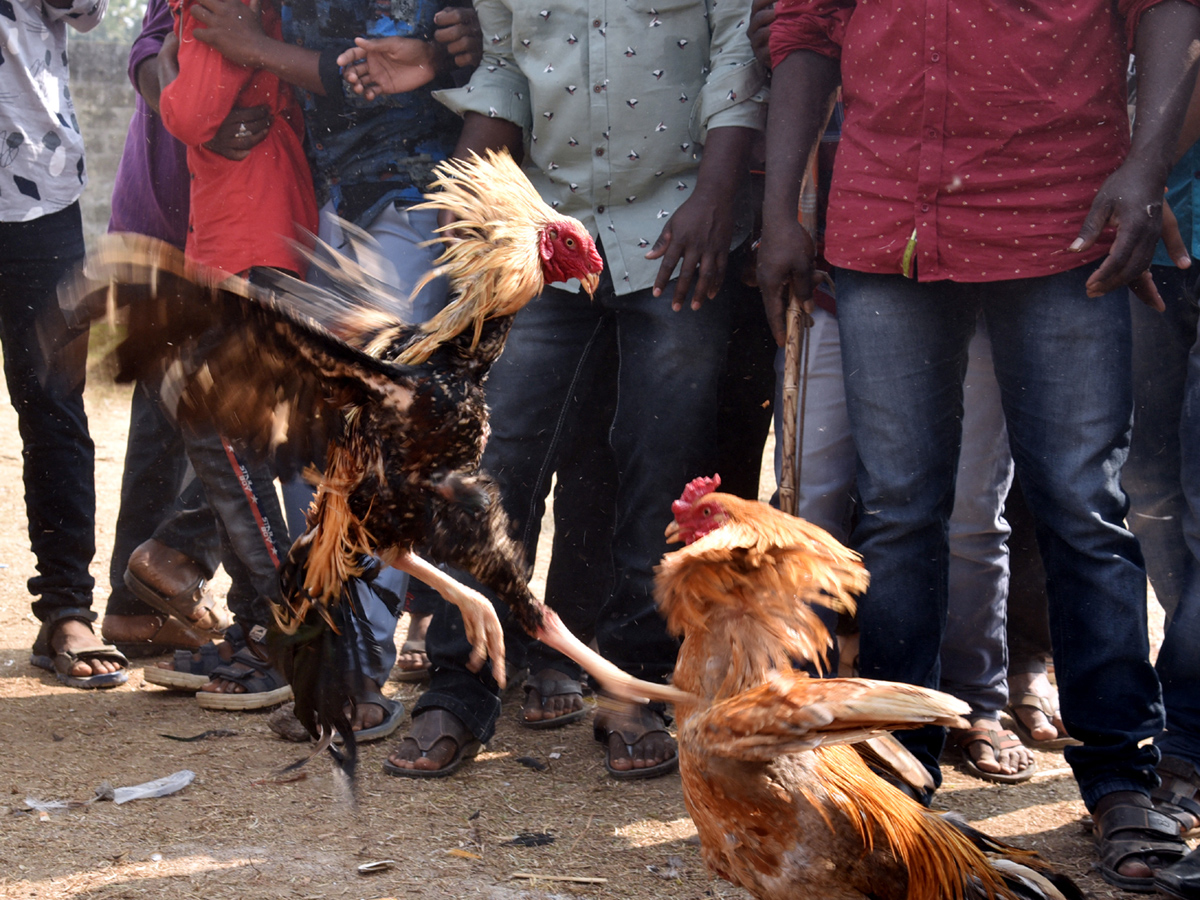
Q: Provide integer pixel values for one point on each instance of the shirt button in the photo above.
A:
(599, 151)
(596, 89)
(595, 23)
(924, 207)
(932, 132)
(934, 57)
(600, 208)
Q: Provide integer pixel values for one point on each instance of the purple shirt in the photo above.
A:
(150, 195)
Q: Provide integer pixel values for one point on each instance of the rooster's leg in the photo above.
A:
(479, 618)
(616, 682)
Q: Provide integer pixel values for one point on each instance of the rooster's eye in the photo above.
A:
(707, 511)
(570, 243)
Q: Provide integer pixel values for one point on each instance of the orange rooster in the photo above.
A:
(784, 806)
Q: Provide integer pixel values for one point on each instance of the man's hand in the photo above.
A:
(785, 269)
(459, 34)
(1131, 200)
(232, 28)
(390, 65)
(701, 229)
(698, 233)
(762, 14)
(243, 129)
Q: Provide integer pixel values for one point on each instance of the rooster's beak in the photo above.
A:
(672, 533)
(590, 282)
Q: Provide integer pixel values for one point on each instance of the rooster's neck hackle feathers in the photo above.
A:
(748, 588)
(491, 252)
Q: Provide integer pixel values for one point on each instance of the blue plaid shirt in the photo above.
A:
(365, 155)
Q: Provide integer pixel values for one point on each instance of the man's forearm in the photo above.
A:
(295, 65)
(482, 132)
(723, 165)
(1167, 48)
(148, 84)
(795, 125)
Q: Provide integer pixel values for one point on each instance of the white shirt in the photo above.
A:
(41, 150)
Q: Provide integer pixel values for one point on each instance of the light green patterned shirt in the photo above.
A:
(616, 98)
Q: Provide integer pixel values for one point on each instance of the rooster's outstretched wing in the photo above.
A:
(276, 364)
(792, 712)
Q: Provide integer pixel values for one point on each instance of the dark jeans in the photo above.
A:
(156, 484)
(667, 370)
(1062, 361)
(45, 365)
(254, 535)
(1163, 481)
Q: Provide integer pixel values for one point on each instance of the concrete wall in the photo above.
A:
(104, 101)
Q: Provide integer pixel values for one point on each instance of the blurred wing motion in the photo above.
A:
(784, 805)
(322, 375)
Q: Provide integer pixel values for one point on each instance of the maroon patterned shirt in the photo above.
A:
(977, 132)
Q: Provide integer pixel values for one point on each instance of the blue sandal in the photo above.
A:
(61, 662)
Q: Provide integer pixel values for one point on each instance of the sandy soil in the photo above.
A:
(237, 833)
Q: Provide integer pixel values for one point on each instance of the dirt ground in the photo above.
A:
(237, 833)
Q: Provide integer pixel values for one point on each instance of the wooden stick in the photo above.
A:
(573, 879)
(795, 362)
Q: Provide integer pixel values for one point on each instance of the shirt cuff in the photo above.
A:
(732, 97)
(502, 95)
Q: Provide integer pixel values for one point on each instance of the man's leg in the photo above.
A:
(1179, 658)
(662, 437)
(904, 353)
(974, 655)
(1162, 343)
(1063, 363)
(155, 475)
(46, 389)
(548, 350)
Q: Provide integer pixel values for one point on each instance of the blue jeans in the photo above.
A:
(1063, 365)
(667, 370)
(45, 384)
(1163, 480)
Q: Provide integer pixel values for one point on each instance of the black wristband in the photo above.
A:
(331, 73)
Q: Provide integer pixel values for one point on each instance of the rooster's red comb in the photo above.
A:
(700, 487)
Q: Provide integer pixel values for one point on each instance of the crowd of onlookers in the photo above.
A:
(988, 302)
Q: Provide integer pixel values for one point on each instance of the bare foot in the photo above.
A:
(636, 738)
(563, 697)
(74, 635)
(1033, 713)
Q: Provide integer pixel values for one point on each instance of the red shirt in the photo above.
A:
(985, 126)
(243, 213)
